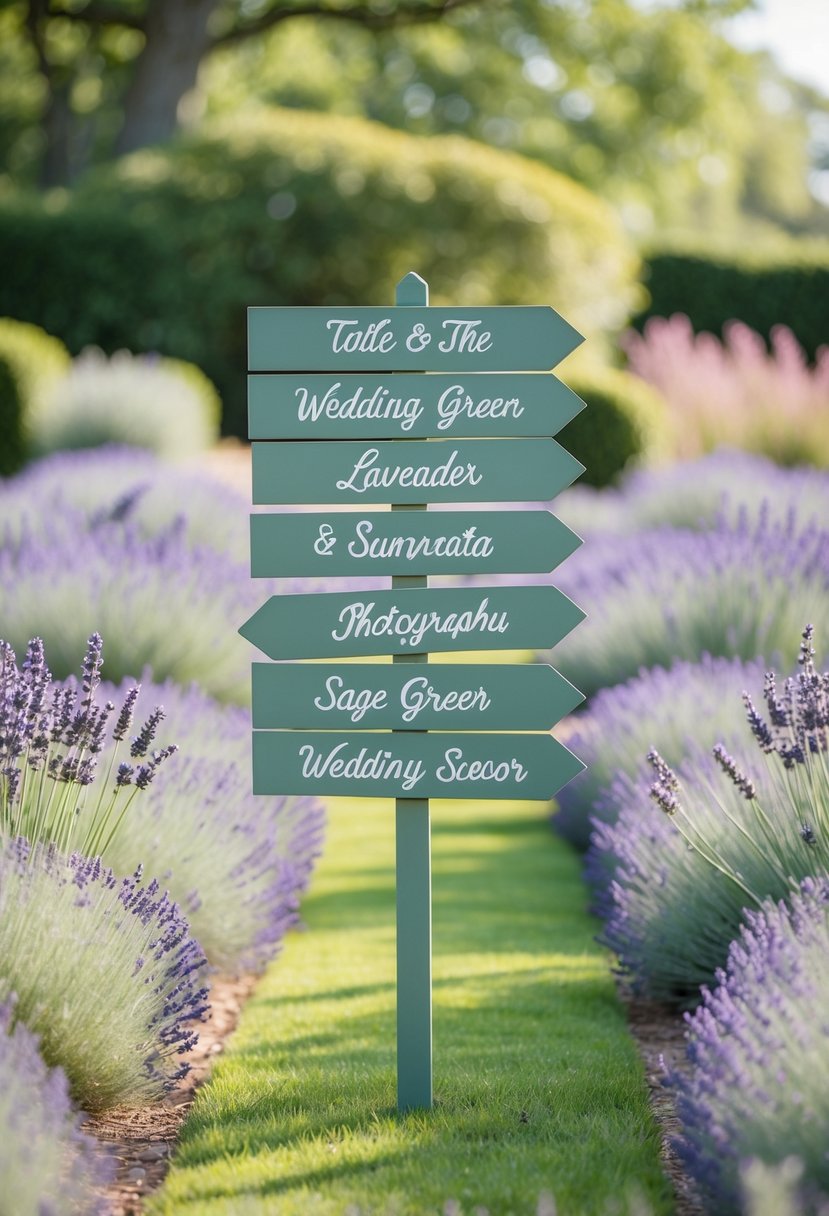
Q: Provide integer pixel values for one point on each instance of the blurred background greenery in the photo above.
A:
(167, 162)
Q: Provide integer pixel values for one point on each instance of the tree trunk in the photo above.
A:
(56, 125)
(166, 69)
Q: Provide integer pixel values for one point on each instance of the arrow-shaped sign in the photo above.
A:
(405, 406)
(411, 339)
(411, 765)
(416, 471)
(411, 622)
(408, 542)
(442, 696)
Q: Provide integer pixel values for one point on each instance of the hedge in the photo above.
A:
(12, 445)
(760, 288)
(94, 277)
(625, 423)
(296, 208)
(31, 361)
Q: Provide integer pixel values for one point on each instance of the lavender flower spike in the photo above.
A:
(754, 1090)
(48, 1166)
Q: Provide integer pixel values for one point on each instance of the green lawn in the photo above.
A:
(537, 1084)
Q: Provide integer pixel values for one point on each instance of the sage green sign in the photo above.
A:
(339, 624)
(408, 542)
(410, 765)
(440, 696)
(401, 406)
(416, 471)
(415, 339)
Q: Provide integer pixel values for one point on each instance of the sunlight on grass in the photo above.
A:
(537, 1083)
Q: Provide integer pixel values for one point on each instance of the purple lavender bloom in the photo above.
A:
(756, 1043)
(237, 864)
(141, 743)
(115, 1029)
(672, 894)
(667, 594)
(47, 1164)
(158, 597)
(54, 733)
(662, 709)
(732, 769)
(115, 484)
(668, 915)
(697, 494)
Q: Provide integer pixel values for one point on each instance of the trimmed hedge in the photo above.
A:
(12, 445)
(625, 423)
(760, 289)
(143, 401)
(295, 208)
(95, 277)
(31, 361)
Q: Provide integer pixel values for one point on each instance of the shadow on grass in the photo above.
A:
(470, 890)
(525, 1054)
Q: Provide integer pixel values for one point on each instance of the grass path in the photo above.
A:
(537, 1084)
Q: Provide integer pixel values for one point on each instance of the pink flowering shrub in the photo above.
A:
(736, 392)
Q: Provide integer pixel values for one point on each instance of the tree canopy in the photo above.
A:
(649, 105)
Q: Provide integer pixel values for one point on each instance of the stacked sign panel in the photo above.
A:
(342, 415)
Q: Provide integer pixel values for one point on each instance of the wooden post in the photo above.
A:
(414, 881)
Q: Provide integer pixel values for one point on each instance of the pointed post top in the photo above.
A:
(412, 291)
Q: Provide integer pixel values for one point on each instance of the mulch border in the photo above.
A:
(143, 1140)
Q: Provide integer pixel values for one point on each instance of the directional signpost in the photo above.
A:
(400, 406)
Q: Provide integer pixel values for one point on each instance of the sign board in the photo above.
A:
(416, 471)
(344, 623)
(407, 542)
(407, 407)
(420, 339)
(400, 765)
(445, 696)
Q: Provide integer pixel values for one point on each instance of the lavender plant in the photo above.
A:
(736, 392)
(105, 972)
(772, 1190)
(123, 483)
(682, 879)
(698, 494)
(140, 400)
(686, 705)
(158, 600)
(756, 1089)
(52, 741)
(739, 591)
(48, 1167)
(236, 863)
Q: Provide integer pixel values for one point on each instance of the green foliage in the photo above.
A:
(624, 423)
(95, 277)
(787, 286)
(166, 406)
(12, 445)
(31, 363)
(536, 1081)
(293, 208)
(649, 105)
